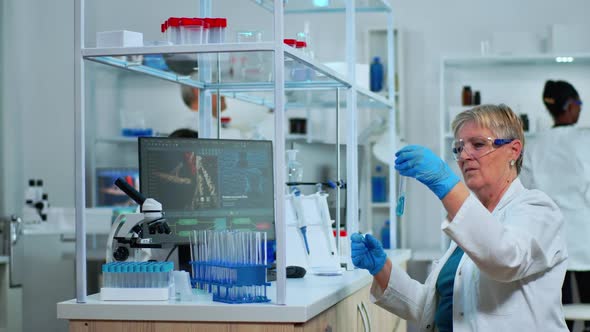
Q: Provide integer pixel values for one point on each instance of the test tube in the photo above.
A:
(401, 196)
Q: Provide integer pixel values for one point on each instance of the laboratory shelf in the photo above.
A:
(116, 139)
(247, 88)
(179, 49)
(325, 6)
(519, 60)
(384, 205)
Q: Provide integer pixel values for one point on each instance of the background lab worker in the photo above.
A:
(557, 162)
(507, 259)
(190, 96)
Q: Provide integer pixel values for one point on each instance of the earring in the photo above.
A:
(512, 162)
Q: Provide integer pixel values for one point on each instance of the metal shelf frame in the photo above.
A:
(336, 82)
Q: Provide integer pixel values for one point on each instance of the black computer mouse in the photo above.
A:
(295, 271)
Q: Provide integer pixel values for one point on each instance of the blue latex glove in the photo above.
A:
(419, 162)
(367, 253)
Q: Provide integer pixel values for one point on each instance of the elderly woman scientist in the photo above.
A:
(504, 268)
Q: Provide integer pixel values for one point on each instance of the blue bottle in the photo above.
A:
(379, 186)
(376, 75)
(385, 238)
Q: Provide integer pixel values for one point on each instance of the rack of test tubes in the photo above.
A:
(142, 281)
(231, 265)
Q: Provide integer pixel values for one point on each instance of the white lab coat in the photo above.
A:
(557, 162)
(509, 278)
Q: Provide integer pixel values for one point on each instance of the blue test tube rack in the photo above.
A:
(231, 283)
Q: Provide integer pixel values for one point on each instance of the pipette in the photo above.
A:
(401, 197)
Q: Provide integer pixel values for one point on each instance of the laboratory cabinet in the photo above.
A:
(314, 303)
(354, 314)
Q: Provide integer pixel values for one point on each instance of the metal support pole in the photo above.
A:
(205, 116)
(393, 235)
(79, 147)
(338, 175)
(279, 152)
(352, 215)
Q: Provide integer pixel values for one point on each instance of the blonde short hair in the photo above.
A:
(500, 119)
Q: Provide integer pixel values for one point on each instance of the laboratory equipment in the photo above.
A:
(300, 216)
(379, 186)
(217, 27)
(385, 235)
(294, 167)
(120, 38)
(130, 233)
(466, 96)
(172, 30)
(477, 98)
(137, 281)
(230, 264)
(376, 75)
(401, 196)
(249, 36)
(191, 30)
(208, 184)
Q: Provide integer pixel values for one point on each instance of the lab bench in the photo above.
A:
(313, 303)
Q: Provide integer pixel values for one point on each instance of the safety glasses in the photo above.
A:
(477, 147)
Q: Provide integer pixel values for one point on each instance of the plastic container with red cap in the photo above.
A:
(217, 27)
(300, 72)
(208, 30)
(173, 30)
(191, 30)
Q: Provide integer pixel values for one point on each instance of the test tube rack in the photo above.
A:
(137, 281)
(231, 265)
(236, 284)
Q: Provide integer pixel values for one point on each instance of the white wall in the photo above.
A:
(42, 59)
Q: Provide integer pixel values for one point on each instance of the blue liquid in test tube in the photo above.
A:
(401, 197)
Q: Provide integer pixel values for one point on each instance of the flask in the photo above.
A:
(379, 186)
(476, 98)
(466, 96)
(294, 168)
(376, 75)
(385, 238)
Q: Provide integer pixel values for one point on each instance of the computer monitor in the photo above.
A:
(209, 183)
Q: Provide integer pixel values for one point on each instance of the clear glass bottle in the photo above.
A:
(294, 168)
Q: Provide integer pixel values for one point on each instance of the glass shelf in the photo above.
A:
(518, 60)
(384, 205)
(325, 6)
(245, 72)
(242, 67)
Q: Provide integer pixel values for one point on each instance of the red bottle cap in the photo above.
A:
(221, 22)
(290, 42)
(300, 44)
(174, 22)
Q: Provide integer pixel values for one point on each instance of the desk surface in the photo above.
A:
(306, 298)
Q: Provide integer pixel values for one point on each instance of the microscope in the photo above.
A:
(131, 235)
